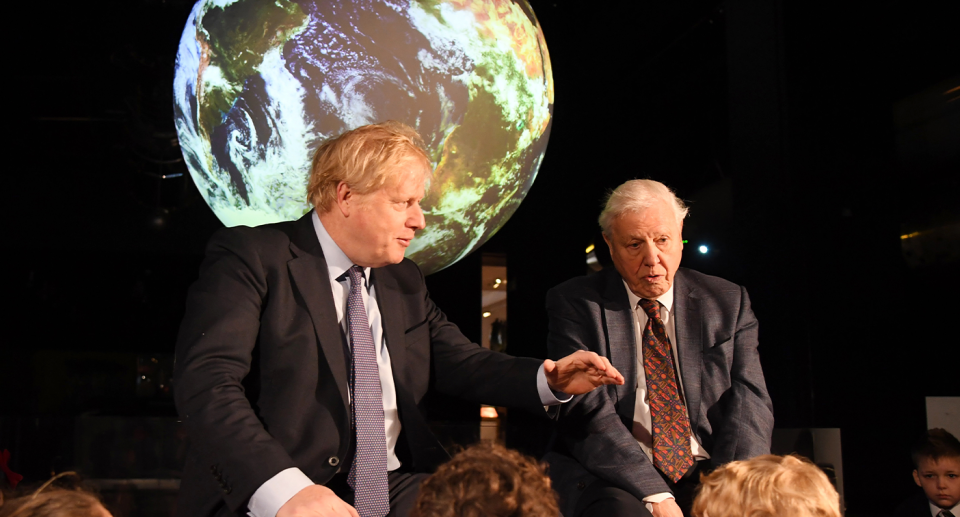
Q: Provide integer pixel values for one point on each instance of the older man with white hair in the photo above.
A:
(686, 344)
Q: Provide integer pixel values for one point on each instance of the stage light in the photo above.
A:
(589, 248)
(703, 249)
(488, 412)
(486, 314)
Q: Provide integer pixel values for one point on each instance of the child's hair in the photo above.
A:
(484, 480)
(54, 501)
(767, 486)
(935, 444)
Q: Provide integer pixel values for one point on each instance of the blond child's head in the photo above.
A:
(767, 486)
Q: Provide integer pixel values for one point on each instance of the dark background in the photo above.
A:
(807, 137)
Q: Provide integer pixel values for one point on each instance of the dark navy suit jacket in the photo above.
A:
(260, 380)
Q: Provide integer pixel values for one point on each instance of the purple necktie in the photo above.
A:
(368, 476)
(668, 414)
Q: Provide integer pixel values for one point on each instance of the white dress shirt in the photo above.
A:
(641, 412)
(279, 489)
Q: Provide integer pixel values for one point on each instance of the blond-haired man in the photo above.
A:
(307, 346)
(687, 345)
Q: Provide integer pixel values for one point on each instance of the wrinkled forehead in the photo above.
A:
(658, 218)
(412, 170)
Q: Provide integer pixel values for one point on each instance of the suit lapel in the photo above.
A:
(687, 326)
(426, 451)
(621, 338)
(391, 315)
(308, 270)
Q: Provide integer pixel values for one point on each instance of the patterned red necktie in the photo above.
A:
(368, 476)
(668, 415)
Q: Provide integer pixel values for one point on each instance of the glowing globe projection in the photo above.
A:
(260, 84)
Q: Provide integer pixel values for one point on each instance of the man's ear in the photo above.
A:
(607, 240)
(916, 477)
(345, 198)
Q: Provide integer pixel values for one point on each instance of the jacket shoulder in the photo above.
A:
(265, 238)
(583, 285)
(710, 283)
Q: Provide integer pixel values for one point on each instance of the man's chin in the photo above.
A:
(397, 256)
(651, 290)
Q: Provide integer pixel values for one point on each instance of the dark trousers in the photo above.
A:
(600, 498)
(404, 489)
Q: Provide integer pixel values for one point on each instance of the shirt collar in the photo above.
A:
(665, 299)
(337, 261)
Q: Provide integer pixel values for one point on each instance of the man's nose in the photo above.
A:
(416, 219)
(651, 256)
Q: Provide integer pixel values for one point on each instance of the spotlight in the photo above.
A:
(486, 314)
(703, 249)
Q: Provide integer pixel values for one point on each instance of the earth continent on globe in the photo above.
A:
(260, 84)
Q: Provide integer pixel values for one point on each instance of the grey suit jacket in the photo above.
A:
(716, 332)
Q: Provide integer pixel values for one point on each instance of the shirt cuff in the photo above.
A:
(549, 397)
(656, 498)
(276, 491)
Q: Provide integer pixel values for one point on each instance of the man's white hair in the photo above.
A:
(636, 196)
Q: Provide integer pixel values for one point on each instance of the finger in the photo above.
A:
(612, 372)
(595, 360)
(549, 366)
(352, 511)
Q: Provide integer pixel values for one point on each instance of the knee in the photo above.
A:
(602, 499)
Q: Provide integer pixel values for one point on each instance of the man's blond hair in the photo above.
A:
(366, 159)
(767, 486)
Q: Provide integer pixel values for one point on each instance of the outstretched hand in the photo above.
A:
(580, 372)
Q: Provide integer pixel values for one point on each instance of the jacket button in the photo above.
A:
(228, 490)
(581, 485)
(333, 461)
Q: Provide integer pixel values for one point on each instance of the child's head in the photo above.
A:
(767, 486)
(54, 500)
(936, 461)
(487, 480)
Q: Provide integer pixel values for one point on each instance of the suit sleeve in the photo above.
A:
(214, 354)
(464, 369)
(747, 428)
(589, 425)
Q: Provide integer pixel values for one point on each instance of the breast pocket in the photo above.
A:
(717, 361)
(417, 334)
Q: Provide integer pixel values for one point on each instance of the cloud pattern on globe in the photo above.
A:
(259, 85)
